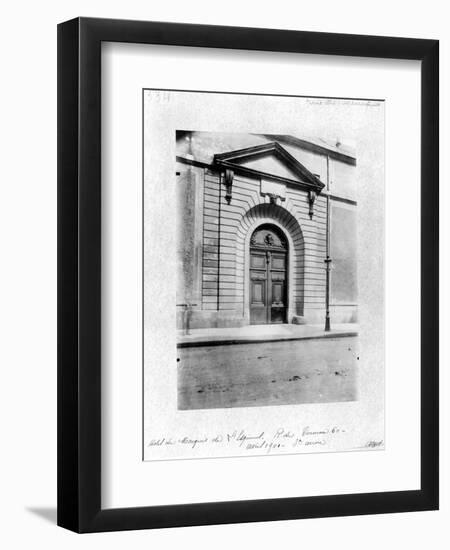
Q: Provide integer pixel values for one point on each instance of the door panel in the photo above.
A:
(277, 293)
(258, 289)
(278, 261)
(258, 307)
(258, 293)
(278, 309)
(258, 261)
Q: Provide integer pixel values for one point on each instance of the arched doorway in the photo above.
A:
(268, 276)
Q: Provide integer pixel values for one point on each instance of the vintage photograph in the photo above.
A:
(264, 330)
(267, 301)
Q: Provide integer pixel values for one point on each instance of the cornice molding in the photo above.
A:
(233, 159)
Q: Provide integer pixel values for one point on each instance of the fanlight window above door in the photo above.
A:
(268, 236)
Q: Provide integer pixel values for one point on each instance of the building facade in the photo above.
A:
(256, 217)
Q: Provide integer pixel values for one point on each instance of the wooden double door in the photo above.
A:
(268, 276)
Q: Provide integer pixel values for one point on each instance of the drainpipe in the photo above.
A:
(219, 243)
(328, 252)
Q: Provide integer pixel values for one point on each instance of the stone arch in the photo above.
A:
(276, 215)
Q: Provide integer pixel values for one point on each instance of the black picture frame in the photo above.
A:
(79, 274)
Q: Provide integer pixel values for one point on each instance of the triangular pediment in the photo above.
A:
(270, 160)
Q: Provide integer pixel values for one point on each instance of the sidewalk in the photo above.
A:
(261, 333)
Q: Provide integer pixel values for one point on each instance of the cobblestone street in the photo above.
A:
(273, 373)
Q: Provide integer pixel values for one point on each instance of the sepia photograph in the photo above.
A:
(270, 310)
(267, 304)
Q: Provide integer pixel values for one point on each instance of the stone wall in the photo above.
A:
(214, 236)
(226, 230)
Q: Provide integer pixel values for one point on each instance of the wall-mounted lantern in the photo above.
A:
(229, 175)
(312, 196)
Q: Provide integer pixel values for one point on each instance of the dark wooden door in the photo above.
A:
(268, 276)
